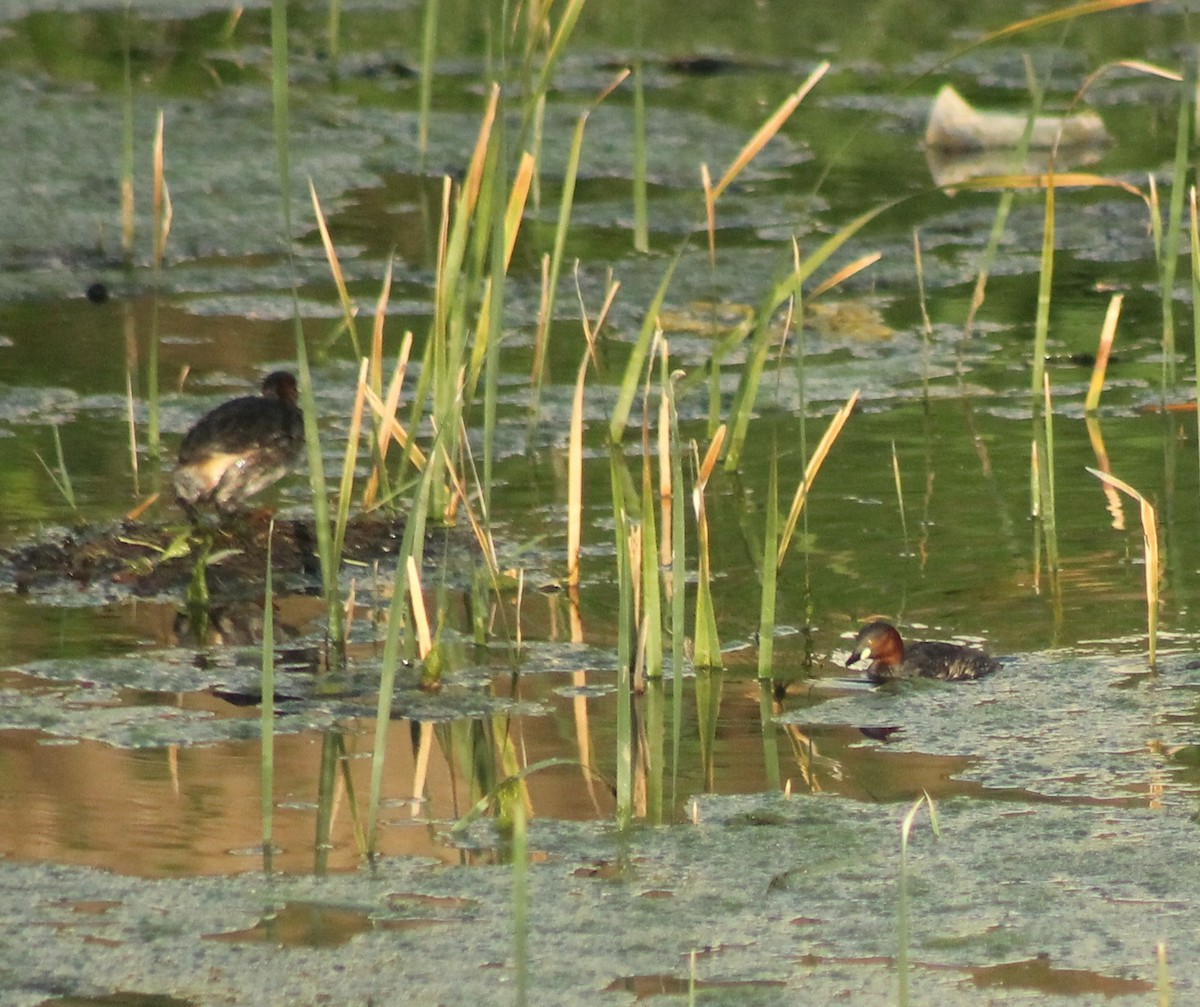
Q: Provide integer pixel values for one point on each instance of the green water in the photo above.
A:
(122, 744)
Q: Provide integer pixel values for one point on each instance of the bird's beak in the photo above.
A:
(858, 655)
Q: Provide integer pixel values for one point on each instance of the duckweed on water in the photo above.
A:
(765, 904)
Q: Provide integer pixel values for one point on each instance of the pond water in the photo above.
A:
(130, 755)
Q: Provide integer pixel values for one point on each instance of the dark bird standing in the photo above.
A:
(881, 644)
(240, 447)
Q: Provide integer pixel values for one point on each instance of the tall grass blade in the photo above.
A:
(267, 682)
(1049, 512)
(575, 478)
(632, 377)
(316, 471)
(641, 215)
(349, 464)
(333, 33)
(899, 496)
(1045, 282)
(1150, 551)
(1107, 333)
(678, 573)
(349, 311)
(1194, 228)
(617, 477)
(567, 200)
(651, 632)
(1170, 258)
(131, 423)
(706, 650)
(558, 44)
(128, 205)
(520, 904)
(59, 476)
(902, 913)
(811, 470)
(429, 25)
(161, 213)
(754, 145)
(412, 545)
(770, 568)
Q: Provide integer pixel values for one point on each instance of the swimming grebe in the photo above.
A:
(881, 644)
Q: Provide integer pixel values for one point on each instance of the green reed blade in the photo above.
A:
(429, 26)
(770, 567)
(1045, 283)
(631, 379)
(349, 464)
(412, 545)
(1194, 230)
(678, 576)
(652, 622)
(1048, 513)
(267, 684)
(1150, 548)
(316, 470)
(326, 555)
(1170, 258)
(333, 33)
(520, 905)
(902, 908)
(706, 648)
(61, 478)
(624, 753)
(900, 496)
(641, 215)
(326, 792)
(128, 206)
(561, 228)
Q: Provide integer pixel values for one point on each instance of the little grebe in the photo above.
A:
(881, 644)
(240, 447)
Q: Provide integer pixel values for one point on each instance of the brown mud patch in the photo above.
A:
(147, 560)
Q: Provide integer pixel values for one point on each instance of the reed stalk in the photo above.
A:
(59, 475)
(1108, 332)
(1150, 552)
(706, 650)
(411, 547)
(520, 904)
(1169, 262)
(1048, 508)
(750, 151)
(641, 214)
(1194, 232)
(899, 496)
(161, 212)
(1045, 282)
(632, 376)
(625, 656)
(824, 445)
(902, 908)
(429, 26)
(562, 225)
(128, 203)
(333, 34)
(678, 570)
(769, 572)
(650, 633)
(575, 478)
(267, 683)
